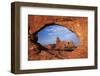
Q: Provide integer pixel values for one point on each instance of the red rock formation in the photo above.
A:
(78, 25)
(59, 44)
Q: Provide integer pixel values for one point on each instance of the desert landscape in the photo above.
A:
(61, 49)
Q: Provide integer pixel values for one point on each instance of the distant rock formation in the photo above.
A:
(64, 45)
(61, 45)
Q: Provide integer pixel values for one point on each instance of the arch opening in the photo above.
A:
(58, 37)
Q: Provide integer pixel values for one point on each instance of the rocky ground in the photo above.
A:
(34, 53)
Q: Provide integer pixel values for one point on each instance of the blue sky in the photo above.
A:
(49, 34)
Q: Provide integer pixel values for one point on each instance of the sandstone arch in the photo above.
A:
(79, 25)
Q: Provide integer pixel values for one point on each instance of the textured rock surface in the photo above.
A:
(79, 25)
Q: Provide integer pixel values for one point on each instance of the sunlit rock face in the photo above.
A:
(79, 25)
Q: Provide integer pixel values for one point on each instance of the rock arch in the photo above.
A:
(79, 25)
